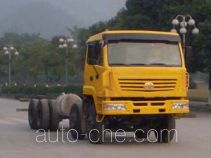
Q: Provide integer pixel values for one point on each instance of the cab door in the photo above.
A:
(94, 68)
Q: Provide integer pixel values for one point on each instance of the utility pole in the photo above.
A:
(209, 90)
(9, 50)
(66, 43)
(184, 23)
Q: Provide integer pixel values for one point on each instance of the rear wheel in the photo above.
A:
(54, 116)
(75, 122)
(94, 128)
(43, 114)
(32, 117)
(166, 130)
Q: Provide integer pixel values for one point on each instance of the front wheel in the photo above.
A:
(94, 128)
(140, 134)
(75, 123)
(166, 130)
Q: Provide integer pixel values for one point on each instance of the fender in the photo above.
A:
(90, 91)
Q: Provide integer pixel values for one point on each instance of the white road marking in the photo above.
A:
(18, 120)
(7, 122)
(12, 121)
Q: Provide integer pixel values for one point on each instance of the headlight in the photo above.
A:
(180, 106)
(114, 107)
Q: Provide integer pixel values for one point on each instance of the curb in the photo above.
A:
(200, 107)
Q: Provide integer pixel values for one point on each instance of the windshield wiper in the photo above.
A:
(128, 64)
(138, 64)
(142, 64)
(161, 64)
(117, 64)
(158, 64)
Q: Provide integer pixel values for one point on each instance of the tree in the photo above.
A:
(157, 15)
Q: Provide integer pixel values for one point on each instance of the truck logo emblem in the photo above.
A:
(148, 86)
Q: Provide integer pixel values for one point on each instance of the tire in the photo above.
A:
(140, 134)
(75, 122)
(94, 128)
(166, 130)
(43, 114)
(54, 116)
(32, 117)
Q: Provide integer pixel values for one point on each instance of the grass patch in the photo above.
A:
(30, 91)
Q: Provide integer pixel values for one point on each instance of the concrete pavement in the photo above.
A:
(18, 141)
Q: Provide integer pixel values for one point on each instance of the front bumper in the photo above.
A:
(145, 107)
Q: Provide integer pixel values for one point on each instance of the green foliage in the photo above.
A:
(40, 90)
(157, 15)
(39, 60)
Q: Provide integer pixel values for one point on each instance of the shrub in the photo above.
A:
(40, 90)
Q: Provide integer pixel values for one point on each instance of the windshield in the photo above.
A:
(145, 53)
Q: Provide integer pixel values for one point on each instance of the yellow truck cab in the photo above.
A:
(135, 79)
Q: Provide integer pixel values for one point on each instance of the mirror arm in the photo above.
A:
(97, 74)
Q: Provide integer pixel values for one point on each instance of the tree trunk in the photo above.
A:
(209, 96)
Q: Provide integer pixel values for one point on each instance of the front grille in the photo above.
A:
(139, 85)
(138, 99)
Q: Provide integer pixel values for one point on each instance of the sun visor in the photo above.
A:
(140, 37)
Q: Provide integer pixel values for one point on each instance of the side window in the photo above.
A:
(91, 54)
(95, 56)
